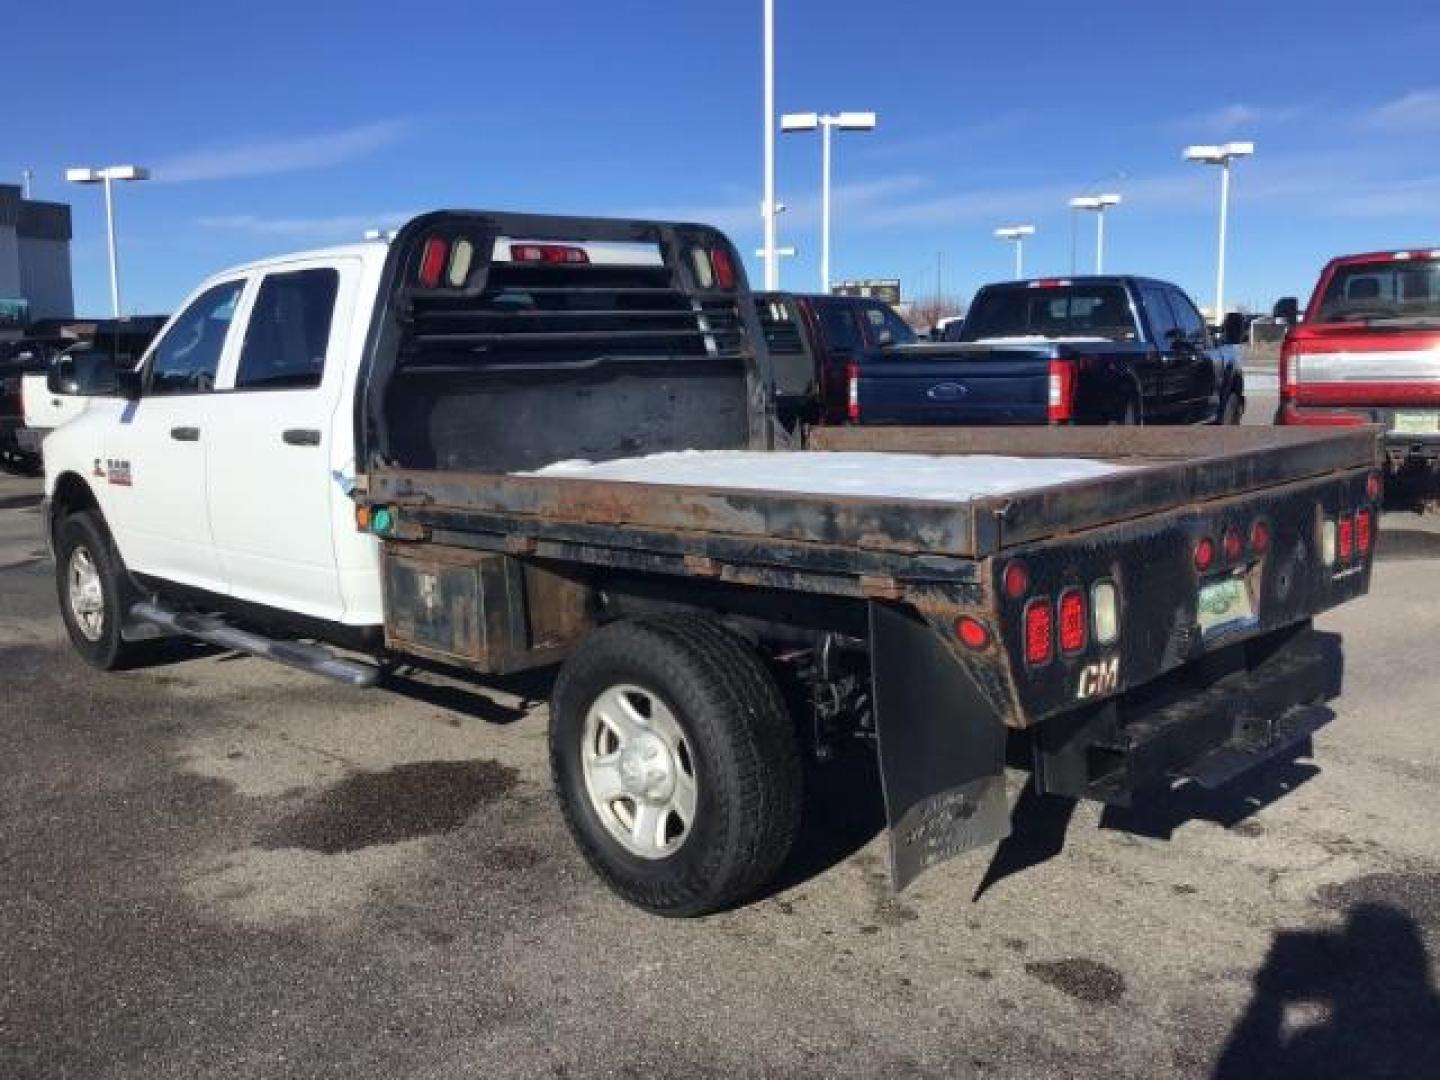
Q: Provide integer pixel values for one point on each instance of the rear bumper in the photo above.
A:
(1208, 721)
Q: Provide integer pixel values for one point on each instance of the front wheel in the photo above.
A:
(676, 763)
(94, 590)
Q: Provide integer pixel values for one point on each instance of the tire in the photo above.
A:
(1130, 417)
(94, 591)
(1232, 410)
(736, 755)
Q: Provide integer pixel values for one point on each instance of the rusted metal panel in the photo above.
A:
(900, 525)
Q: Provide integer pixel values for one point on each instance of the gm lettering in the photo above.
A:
(1099, 679)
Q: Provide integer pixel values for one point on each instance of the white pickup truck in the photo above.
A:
(508, 441)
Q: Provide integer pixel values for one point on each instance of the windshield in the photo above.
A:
(1050, 311)
(1392, 290)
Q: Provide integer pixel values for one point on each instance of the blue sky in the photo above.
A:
(277, 126)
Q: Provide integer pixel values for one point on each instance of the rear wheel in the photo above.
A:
(94, 590)
(676, 763)
(1130, 416)
(1232, 409)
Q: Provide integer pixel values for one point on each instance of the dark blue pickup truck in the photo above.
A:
(1081, 350)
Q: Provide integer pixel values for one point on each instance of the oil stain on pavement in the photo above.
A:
(1081, 978)
(403, 803)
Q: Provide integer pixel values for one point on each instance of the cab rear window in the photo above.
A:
(1379, 291)
(1101, 311)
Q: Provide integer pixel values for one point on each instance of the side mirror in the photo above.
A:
(130, 383)
(1233, 330)
(1287, 310)
(60, 378)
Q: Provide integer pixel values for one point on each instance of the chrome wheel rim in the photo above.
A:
(639, 771)
(86, 594)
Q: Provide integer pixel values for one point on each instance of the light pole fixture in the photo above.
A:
(1099, 204)
(1017, 234)
(107, 176)
(845, 121)
(1220, 155)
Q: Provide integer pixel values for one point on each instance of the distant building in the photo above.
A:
(34, 260)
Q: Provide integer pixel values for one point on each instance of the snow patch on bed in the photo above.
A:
(873, 475)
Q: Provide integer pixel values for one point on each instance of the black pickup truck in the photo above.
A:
(1083, 350)
(558, 435)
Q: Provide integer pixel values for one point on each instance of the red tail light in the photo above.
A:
(1204, 554)
(1289, 371)
(1039, 633)
(1346, 544)
(549, 253)
(1074, 627)
(1259, 538)
(1061, 403)
(852, 401)
(432, 261)
(1364, 531)
(1016, 580)
(724, 269)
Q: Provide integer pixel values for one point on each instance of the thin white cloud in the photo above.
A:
(334, 227)
(269, 157)
(744, 217)
(1418, 110)
(1237, 118)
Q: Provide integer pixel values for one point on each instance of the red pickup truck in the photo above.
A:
(1368, 352)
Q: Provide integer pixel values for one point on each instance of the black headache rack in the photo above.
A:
(495, 334)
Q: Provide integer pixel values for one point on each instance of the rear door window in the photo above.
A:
(289, 331)
(837, 323)
(1158, 313)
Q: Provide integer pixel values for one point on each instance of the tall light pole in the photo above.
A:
(1016, 234)
(845, 121)
(1099, 204)
(1222, 156)
(107, 176)
(767, 203)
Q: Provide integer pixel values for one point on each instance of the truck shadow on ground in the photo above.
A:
(1353, 1002)
(1039, 823)
(1404, 545)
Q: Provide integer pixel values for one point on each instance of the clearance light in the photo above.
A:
(1373, 488)
(971, 632)
(1259, 538)
(1105, 604)
(1233, 545)
(548, 253)
(1327, 542)
(1074, 629)
(1039, 633)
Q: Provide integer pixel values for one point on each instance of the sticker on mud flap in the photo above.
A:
(1099, 678)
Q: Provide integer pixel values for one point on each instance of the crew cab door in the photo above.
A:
(271, 494)
(1162, 372)
(150, 473)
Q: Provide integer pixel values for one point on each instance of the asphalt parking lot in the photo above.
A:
(218, 867)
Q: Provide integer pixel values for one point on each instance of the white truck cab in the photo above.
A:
(231, 472)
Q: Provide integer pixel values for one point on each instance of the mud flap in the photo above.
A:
(942, 747)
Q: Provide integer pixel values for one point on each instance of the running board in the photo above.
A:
(316, 659)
